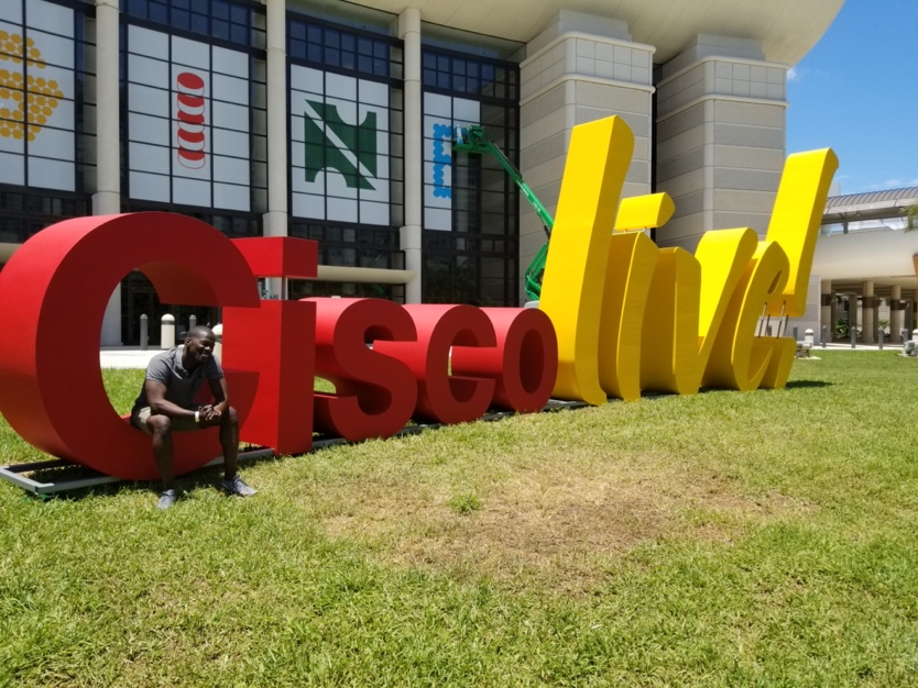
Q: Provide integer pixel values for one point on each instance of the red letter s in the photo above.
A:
(375, 394)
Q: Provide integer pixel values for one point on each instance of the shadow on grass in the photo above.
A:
(808, 384)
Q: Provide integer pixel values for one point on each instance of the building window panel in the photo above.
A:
(233, 170)
(149, 187)
(158, 13)
(238, 33)
(156, 158)
(231, 197)
(12, 168)
(181, 19)
(152, 130)
(155, 101)
(230, 116)
(149, 71)
(191, 192)
(240, 21)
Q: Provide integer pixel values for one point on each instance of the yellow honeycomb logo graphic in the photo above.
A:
(32, 101)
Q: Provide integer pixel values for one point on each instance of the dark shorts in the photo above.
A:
(139, 419)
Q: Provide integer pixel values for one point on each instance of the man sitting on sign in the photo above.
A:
(167, 403)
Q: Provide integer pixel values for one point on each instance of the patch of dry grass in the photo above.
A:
(558, 518)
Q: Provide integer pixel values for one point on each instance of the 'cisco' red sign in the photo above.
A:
(53, 295)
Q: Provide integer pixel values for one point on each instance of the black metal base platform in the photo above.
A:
(39, 477)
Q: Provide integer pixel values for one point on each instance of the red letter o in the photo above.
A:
(524, 363)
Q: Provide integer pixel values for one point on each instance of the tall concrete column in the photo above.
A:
(868, 313)
(904, 304)
(910, 311)
(107, 198)
(276, 219)
(409, 30)
(579, 69)
(720, 138)
(895, 314)
(827, 309)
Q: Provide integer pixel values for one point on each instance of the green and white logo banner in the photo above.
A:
(339, 128)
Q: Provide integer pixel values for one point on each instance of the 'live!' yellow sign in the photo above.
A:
(630, 316)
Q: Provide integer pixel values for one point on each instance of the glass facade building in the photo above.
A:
(334, 121)
(193, 139)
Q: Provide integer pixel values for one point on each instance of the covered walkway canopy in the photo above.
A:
(866, 261)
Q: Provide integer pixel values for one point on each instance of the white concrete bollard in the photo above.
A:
(808, 336)
(218, 334)
(144, 331)
(167, 332)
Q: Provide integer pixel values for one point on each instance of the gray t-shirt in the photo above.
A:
(182, 386)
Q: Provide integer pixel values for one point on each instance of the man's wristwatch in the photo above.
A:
(197, 416)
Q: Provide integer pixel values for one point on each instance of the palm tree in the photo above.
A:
(911, 214)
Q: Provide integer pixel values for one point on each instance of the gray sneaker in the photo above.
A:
(167, 498)
(237, 486)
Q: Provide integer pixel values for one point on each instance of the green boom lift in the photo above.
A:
(473, 139)
(636, 214)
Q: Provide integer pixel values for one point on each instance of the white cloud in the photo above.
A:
(797, 74)
(899, 183)
(894, 183)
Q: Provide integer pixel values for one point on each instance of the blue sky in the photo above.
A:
(856, 91)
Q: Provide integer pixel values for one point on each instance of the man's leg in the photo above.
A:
(229, 440)
(161, 428)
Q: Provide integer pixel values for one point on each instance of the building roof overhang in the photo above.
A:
(885, 203)
(786, 29)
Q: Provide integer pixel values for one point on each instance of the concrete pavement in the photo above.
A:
(134, 357)
(126, 357)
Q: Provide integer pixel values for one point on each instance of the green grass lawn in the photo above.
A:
(724, 538)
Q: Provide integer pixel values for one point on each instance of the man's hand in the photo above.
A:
(210, 413)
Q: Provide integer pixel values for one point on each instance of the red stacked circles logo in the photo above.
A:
(190, 138)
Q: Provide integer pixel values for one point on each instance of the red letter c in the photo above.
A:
(53, 294)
